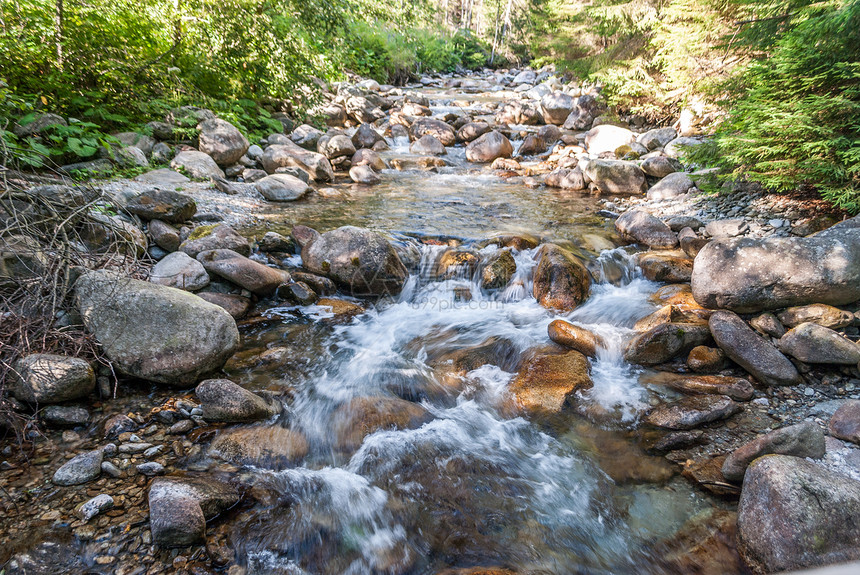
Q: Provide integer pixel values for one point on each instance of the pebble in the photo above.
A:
(152, 451)
(70, 437)
(808, 392)
(150, 468)
(94, 506)
(134, 447)
(109, 450)
(761, 401)
(181, 427)
(111, 469)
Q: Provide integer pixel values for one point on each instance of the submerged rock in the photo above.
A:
(362, 416)
(81, 469)
(270, 447)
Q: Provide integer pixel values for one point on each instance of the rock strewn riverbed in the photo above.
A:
(788, 358)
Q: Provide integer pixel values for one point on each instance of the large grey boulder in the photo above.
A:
(356, 258)
(222, 141)
(197, 165)
(556, 107)
(155, 332)
(660, 166)
(488, 147)
(366, 137)
(38, 124)
(179, 508)
(288, 155)
(751, 351)
(641, 227)
(674, 185)
(657, 138)
(607, 138)
(306, 136)
(566, 178)
(616, 176)
(335, 146)
(181, 271)
(427, 145)
(748, 275)
(436, 128)
(142, 142)
(472, 131)
(794, 514)
(49, 378)
(813, 343)
(222, 400)
(281, 188)
(804, 439)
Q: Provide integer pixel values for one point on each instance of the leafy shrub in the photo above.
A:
(795, 117)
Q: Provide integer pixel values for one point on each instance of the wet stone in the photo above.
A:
(694, 411)
(94, 506)
(81, 469)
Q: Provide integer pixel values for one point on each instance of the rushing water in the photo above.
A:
(474, 483)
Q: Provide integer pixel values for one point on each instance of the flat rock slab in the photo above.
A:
(804, 439)
(692, 412)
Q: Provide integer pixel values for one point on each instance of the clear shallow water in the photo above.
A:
(474, 483)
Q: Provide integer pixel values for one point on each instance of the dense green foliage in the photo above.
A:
(795, 116)
(118, 64)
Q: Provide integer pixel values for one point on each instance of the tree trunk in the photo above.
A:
(58, 32)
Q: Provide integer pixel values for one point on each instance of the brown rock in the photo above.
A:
(245, 272)
(236, 305)
(561, 282)
(271, 447)
(704, 359)
(575, 337)
(498, 270)
(818, 313)
(665, 341)
(665, 267)
(737, 388)
(694, 411)
(767, 324)
(547, 381)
